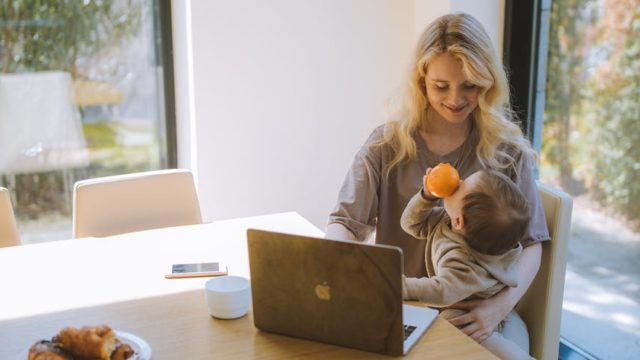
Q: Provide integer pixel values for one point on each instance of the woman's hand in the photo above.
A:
(481, 318)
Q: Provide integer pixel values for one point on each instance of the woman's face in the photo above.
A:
(449, 92)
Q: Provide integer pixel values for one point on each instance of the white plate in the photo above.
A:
(141, 347)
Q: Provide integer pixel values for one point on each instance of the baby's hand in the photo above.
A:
(425, 190)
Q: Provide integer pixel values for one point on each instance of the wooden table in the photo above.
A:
(119, 281)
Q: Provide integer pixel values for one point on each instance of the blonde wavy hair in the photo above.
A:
(462, 36)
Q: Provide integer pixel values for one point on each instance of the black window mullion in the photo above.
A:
(164, 55)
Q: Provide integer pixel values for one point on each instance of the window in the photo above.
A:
(584, 115)
(85, 91)
(590, 138)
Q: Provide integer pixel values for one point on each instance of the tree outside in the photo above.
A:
(591, 115)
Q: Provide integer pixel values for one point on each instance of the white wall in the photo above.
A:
(284, 93)
(183, 70)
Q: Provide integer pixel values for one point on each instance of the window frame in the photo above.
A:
(164, 45)
(518, 63)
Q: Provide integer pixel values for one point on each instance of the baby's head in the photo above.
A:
(490, 211)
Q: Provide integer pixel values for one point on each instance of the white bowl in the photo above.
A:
(228, 297)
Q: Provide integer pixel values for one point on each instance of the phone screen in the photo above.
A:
(195, 268)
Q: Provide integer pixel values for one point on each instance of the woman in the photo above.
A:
(456, 110)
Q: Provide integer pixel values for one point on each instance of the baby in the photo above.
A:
(472, 244)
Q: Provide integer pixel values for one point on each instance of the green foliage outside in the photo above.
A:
(100, 135)
(618, 120)
(38, 35)
(563, 91)
(592, 116)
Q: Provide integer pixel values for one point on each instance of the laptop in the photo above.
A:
(337, 292)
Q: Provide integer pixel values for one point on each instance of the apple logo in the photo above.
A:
(323, 291)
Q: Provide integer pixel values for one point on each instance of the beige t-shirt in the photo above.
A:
(369, 201)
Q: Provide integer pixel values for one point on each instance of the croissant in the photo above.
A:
(90, 342)
(47, 350)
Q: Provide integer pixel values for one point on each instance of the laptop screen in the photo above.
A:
(338, 292)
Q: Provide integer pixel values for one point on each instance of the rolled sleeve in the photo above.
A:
(357, 206)
(538, 230)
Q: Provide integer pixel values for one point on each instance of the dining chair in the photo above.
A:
(8, 229)
(139, 201)
(541, 306)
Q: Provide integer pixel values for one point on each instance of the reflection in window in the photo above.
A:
(590, 149)
(81, 96)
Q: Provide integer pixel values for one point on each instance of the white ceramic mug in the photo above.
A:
(228, 297)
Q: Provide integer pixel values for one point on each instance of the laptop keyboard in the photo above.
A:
(408, 329)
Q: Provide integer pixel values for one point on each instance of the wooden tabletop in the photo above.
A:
(119, 281)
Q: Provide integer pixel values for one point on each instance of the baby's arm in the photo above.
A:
(420, 215)
(455, 282)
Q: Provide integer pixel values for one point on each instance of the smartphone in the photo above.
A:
(196, 270)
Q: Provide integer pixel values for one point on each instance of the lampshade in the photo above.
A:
(40, 127)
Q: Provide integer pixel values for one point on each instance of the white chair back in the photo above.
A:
(133, 202)
(8, 229)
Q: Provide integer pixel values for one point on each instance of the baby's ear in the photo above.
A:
(458, 223)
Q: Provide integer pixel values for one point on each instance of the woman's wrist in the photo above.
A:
(507, 300)
(501, 303)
